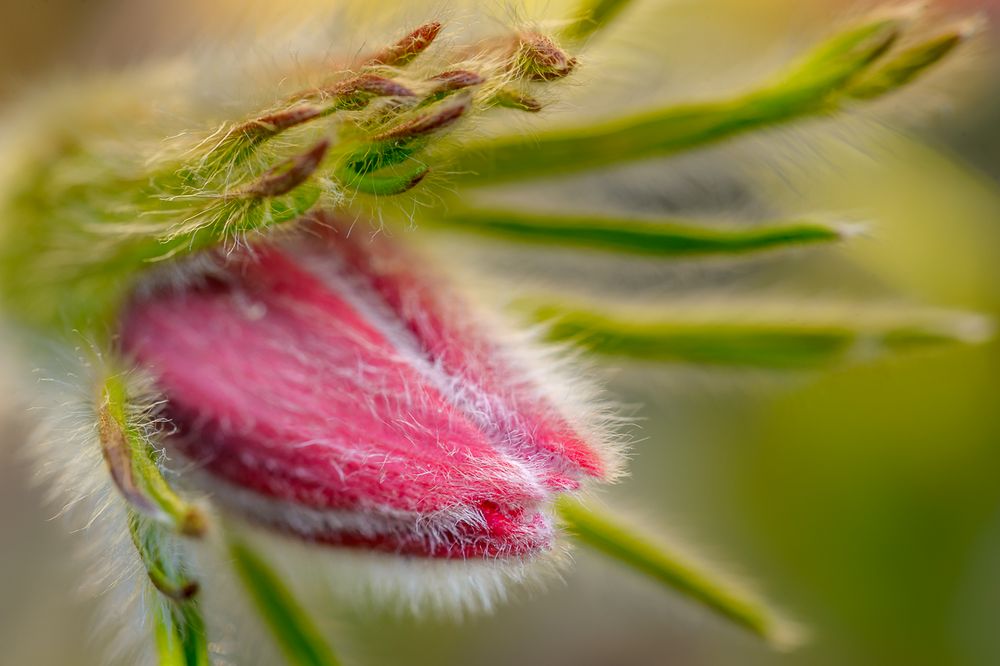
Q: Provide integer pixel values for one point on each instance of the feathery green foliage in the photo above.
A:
(820, 83)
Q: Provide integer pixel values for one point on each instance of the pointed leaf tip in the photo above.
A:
(446, 114)
(630, 547)
(456, 79)
(406, 49)
(906, 66)
(515, 99)
(288, 175)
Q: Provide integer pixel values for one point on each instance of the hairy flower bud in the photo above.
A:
(330, 389)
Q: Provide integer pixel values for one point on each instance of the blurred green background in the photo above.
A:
(867, 500)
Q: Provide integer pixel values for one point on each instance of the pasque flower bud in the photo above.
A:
(270, 346)
(334, 388)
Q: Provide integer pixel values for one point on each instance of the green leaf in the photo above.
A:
(382, 185)
(909, 64)
(298, 638)
(657, 238)
(754, 335)
(642, 553)
(593, 15)
(815, 85)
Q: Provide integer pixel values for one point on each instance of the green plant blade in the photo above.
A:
(655, 238)
(909, 64)
(382, 185)
(641, 553)
(817, 84)
(298, 638)
(783, 336)
(591, 16)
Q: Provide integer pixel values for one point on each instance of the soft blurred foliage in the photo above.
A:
(868, 500)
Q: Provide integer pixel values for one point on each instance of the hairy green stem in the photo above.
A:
(132, 459)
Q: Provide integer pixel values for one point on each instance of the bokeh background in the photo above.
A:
(867, 500)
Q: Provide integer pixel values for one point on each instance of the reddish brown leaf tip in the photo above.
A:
(416, 180)
(279, 121)
(456, 79)
(185, 592)
(383, 87)
(371, 84)
(434, 121)
(408, 48)
(118, 456)
(288, 175)
(538, 58)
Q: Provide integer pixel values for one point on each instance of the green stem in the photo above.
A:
(297, 636)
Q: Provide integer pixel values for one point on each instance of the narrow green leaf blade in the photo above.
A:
(636, 551)
(910, 63)
(655, 238)
(299, 639)
(782, 336)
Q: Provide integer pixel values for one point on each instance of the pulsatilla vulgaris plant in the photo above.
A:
(263, 363)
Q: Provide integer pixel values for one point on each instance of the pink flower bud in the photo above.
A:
(334, 388)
